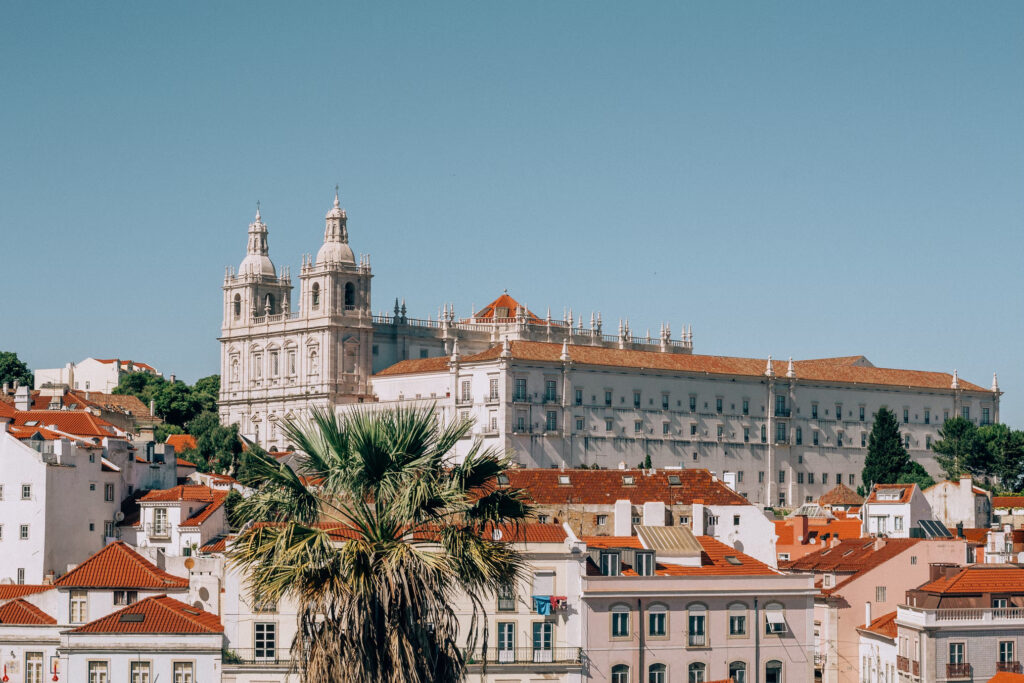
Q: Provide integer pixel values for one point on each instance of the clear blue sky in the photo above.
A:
(800, 179)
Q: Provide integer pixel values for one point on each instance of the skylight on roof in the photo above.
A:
(502, 480)
(628, 480)
(32, 423)
(732, 559)
(674, 480)
(136, 617)
(563, 479)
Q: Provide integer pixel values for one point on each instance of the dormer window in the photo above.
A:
(674, 480)
(611, 563)
(563, 480)
(502, 480)
(644, 564)
(628, 480)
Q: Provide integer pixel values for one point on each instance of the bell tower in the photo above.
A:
(255, 290)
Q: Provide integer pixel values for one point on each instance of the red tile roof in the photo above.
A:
(213, 498)
(884, 625)
(24, 613)
(841, 495)
(490, 311)
(118, 566)
(979, 578)
(824, 370)
(184, 463)
(217, 545)
(713, 559)
(10, 591)
(159, 614)
(851, 558)
(596, 487)
(906, 491)
(76, 422)
(1008, 501)
(126, 363)
(182, 442)
(1007, 677)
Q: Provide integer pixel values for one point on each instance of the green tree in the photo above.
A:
(887, 459)
(377, 551)
(13, 369)
(230, 505)
(207, 392)
(916, 474)
(1004, 448)
(218, 446)
(140, 384)
(163, 430)
(175, 403)
(958, 449)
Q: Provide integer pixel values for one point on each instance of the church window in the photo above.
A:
(350, 295)
(257, 362)
(274, 364)
(237, 306)
(291, 362)
(316, 295)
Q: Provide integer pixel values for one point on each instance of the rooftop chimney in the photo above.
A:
(22, 398)
(697, 517)
(623, 518)
(867, 612)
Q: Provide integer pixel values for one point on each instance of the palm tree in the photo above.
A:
(375, 535)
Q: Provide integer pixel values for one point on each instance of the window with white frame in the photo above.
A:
(620, 673)
(26, 491)
(657, 621)
(141, 672)
(737, 619)
(775, 620)
(657, 673)
(738, 672)
(98, 672)
(644, 564)
(160, 522)
(184, 672)
(123, 598)
(34, 667)
(108, 492)
(620, 621)
(610, 563)
(23, 532)
(696, 625)
(697, 672)
(79, 602)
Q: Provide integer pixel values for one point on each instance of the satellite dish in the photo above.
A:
(118, 516)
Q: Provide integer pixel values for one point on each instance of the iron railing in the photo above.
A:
(526, 655)
(1010, 666)
(256, 655)
(962, 670)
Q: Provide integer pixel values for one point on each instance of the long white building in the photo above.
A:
(557, 391)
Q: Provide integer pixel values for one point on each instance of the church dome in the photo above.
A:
(257, 264)
(335, 248)
(334, 252)
(257, 257)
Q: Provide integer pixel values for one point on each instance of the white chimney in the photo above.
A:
(22, 399)
(4, 422)
(623, 518)
(867, 613)
(730, 479)
(654, 513)
(697, 517)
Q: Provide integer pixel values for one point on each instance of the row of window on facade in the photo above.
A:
(697, 672)
(274, 369)
(269, 302)
(140, 672)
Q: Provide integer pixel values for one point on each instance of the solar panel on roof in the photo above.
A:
(934, 529)
(133, 617)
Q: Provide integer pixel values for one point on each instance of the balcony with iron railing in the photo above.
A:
(526, 656)
(158, 531)
(264, 656)
(961, 670)
(1009, 666)
(902, 663)
(782, 412)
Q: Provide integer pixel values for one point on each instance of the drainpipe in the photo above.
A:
(757, 643)
(640, 630)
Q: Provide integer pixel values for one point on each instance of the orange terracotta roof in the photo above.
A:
(906, 491)
(884, 625)
(23, 612)
(1008, 501)
(980, 578)
(181, 492)
(182, 442)
(815, 370)
(118, 566)
(490, 312)
(596, 487)
(10, 591)
(713, 559)
(1006, 677)
(159, 614)
(841, 495)
(198, 518)
(974, 535)
(851, 558)
(127, 363)
(76, 422)
(185, 463)
(217, 545)
(817, 529)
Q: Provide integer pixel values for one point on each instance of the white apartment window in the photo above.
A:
(466, 393)
(125, 598)
(602, 520)
(657, 621)
(775, 620)
(552, 420)
(79, 607)
(26, 491)
(141, 672)
(98, 672)
(265, 640)
(160, 522)
(696, 618)
(898, 525)
(34, 667)
(21, 576)
(520, 394)
(644, 564)
(1006, 651)
(956, 653)
(608, 426)
(697, 672)
(879, 593)
(184, 672)
(638, 426)
(108, 492)
(23, 532)
(542, 641)
(550, 390)
(664, 427)
(493, 386)
(620, 621)
(610, 564)
(258, 365)
(737, 619)
(657, 673)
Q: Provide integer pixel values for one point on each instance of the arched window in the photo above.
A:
(316, 295)
(620, 621)
(237, 306)
(774, 618)
(350, 295)
(696, 625)
(620, 673)
(657, 621)
(657, 673)
(738, 672)
(737, 619)
(773, 672)
(697, 672)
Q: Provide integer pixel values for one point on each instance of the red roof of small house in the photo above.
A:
(529, 532)
(905, 492)
(884, 625)
(824, 370)
(213, 498)
(118, 566)
(182, 442)
(185, 463)
(23, 612)
(979, 578)
(76, 422)
(596, 487)
(128, 363)
(841, 495)
(1006, 677)
(216, 545)
(159, 614)
(10, 591)
(714, 559)
(851, 558)
(1008, 501)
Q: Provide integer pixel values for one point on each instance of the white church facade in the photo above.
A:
(557, 392)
